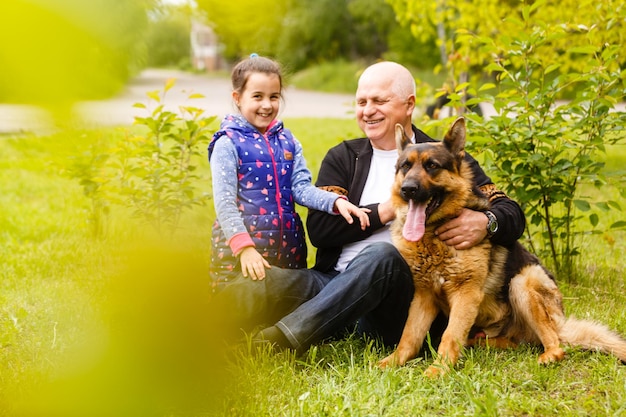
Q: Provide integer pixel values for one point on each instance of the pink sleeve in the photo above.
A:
(240, 241)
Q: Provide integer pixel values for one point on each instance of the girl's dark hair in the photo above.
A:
(241, 72)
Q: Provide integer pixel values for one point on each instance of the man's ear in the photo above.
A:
(410, 102)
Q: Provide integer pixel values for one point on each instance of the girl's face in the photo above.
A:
(259, 102)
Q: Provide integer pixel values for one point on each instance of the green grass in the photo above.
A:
(341, 379)
(116, 326)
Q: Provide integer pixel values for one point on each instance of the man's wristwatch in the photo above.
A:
(492, 223)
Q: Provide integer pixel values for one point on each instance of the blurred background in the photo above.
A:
(60, 58)
(56, 52)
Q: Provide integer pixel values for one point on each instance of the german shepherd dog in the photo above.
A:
(504, 293)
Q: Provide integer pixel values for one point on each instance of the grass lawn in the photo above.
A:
(114, 326)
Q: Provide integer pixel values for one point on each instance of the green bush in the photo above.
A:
(152, 172)
(544, 150)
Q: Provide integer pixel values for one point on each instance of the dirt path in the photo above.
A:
(120, 111)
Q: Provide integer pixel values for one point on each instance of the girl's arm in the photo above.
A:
(308, 195)
(304, 192)
(224, 180)
(329, 231)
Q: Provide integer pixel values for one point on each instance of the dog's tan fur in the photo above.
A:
(470, 286)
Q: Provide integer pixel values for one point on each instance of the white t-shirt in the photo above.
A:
(377, 190)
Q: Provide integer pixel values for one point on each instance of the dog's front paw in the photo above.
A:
(551, 355)
(389, 362)
(436, 370)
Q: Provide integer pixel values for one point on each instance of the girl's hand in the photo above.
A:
(253, 264)
(347, 210)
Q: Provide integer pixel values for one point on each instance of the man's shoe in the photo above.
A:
(271, 339)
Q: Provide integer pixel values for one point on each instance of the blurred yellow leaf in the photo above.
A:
(154, 95)
(169, 83)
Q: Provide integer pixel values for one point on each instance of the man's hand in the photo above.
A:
(464, 231)
(253, 264)
(347, 210)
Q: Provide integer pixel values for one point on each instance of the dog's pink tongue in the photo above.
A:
(415, 219)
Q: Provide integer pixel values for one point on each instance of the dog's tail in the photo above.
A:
(591, 335)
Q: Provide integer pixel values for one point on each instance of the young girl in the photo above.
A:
(258, 173)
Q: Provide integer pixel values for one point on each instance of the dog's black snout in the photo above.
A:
(409, 191)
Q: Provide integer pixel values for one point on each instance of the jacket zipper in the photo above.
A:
(277, 194)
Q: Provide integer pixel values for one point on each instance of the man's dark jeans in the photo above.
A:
(374, 292)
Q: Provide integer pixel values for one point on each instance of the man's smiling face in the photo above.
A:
(379, 108)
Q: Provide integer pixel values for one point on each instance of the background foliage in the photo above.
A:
(167, 37)
(442, 22)
(302, 33)
(57, 52)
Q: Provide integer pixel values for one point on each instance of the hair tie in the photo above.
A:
(254, 55)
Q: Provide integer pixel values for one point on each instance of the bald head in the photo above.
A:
(398, 77)
(385, 96)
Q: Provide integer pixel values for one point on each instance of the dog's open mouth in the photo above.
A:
(416, 217)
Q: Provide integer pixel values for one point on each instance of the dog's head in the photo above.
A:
(432, 181)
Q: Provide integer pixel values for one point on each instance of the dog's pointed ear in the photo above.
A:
(455, 138)
(401, 139)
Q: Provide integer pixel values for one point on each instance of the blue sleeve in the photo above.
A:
(304, 192)
(224, 180)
